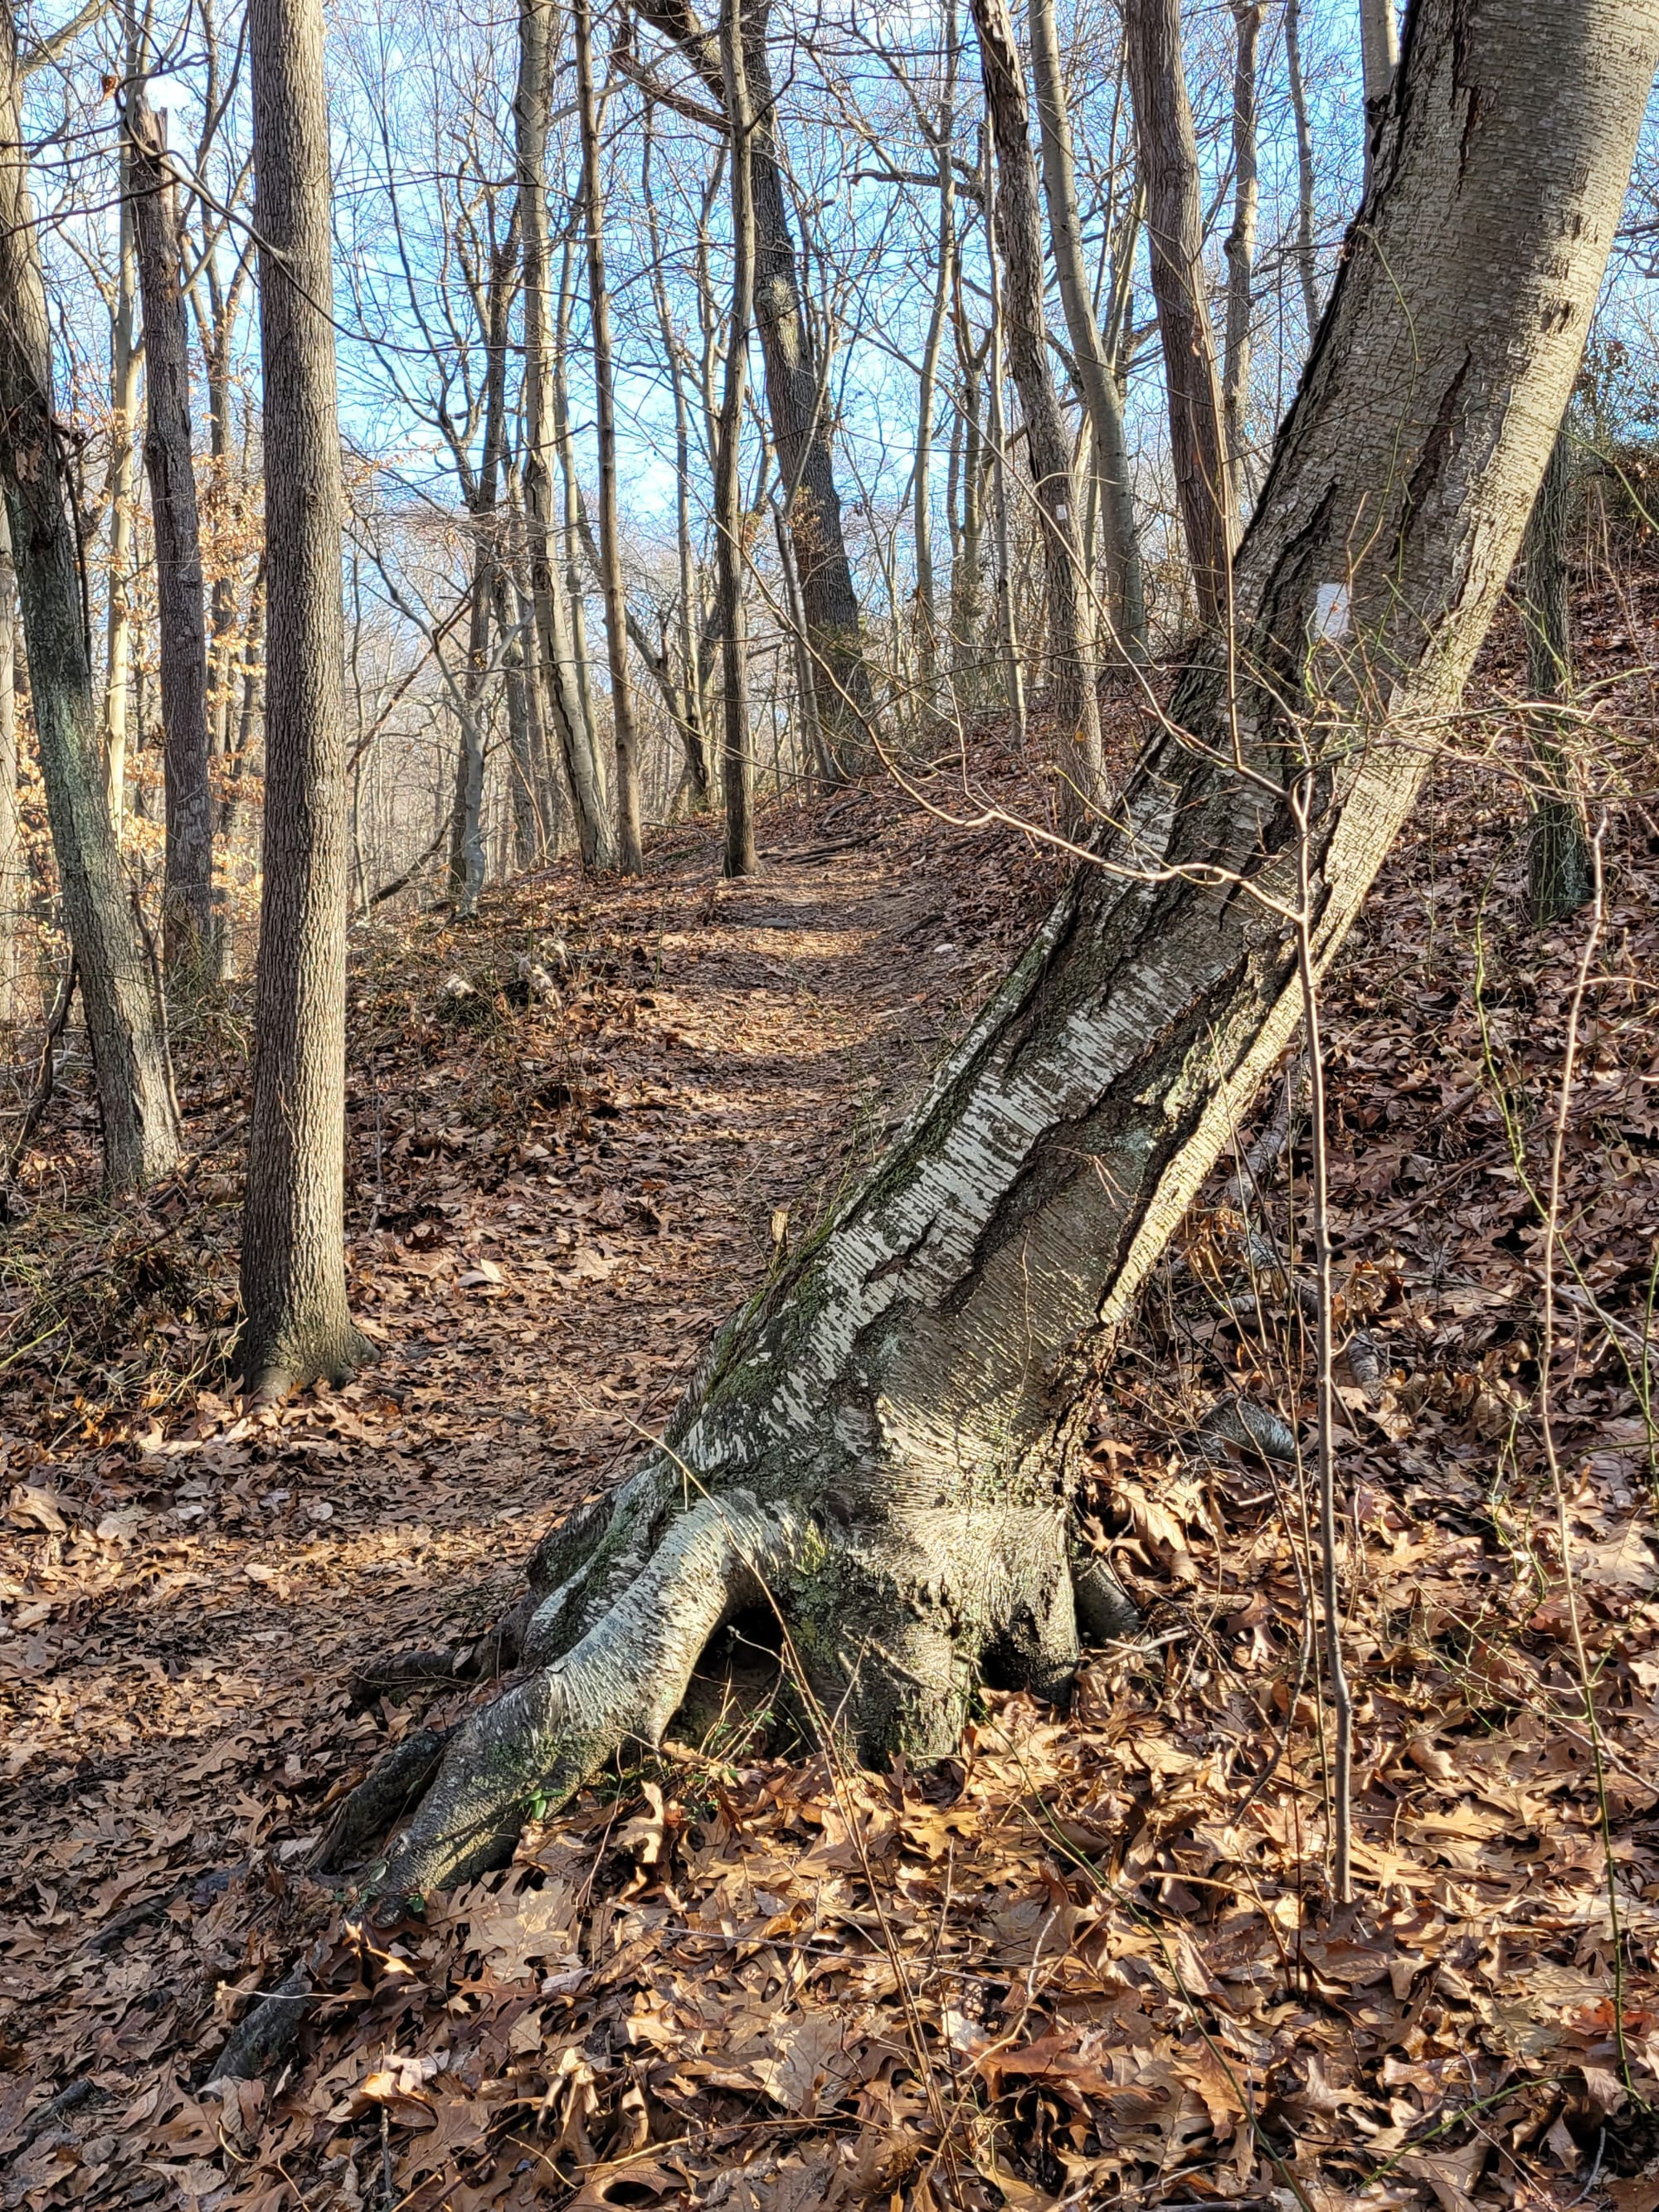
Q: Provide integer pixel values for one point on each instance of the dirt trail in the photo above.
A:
(553, 1207)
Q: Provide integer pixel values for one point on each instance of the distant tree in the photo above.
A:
(118, 991)
(187, 915)
(297, 1327)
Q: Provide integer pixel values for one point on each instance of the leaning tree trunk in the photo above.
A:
(297, 1327)
(11, 845)
(878, 1444)
(1560, 869)
(187, 919)
(1175, 239)
(117, 989)
(737, 752)
(1241, 253)
(1073, 700)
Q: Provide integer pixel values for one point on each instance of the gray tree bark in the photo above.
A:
(1304, 166)
(1240, 255)
(630, 854)
(797, 401)
(1097, 372)
(1560, 871)
(595, 839)
(188, 930)
(118, 991)
(297, 1326)
(737, 752)
(1073, 698)
(1379, 57)
(1175, 232)
(880, 1445)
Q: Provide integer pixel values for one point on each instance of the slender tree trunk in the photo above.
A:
(1304, 166)
(1559, 868)
(881, 1448)
(594, 838)
(921, 480)
(1241, 256)
(122, 488)
(1174, 224)
(11, 845)
(1073, 698)
(797, 401)
(737, 760)
(125, 1019)
(187, 917)
(297, 1327)
(1096, 375)
(1379, 58)
(1013, 667)
(967, 571)
(630, 852)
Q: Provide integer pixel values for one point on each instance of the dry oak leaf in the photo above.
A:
(810, 2066)
(514, 1931)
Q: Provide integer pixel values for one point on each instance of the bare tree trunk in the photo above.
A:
(1304, 166)
(1013, 667)
(967, 579)
(1241, 256)
(187, 916)
(12, 847)
(796, 399)
(594, 837)
(1174, 225)
(1559, 868)
(737, 760)
(1073, 698)
(297, 1326)
(1096, 375)
(921, 481)
(882, 1448)
(629, 853)
(1379, 58)
(125, 1019)
(122, 488)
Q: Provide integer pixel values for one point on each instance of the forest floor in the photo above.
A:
(1093, 1961)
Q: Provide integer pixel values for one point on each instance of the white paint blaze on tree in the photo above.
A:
(880, 1443)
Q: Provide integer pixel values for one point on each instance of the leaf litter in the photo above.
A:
(1091, 1960)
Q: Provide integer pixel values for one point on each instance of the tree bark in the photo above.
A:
(797, 401)
(187, 915)
(1304, 166)
(1379, 57)
(1073, 701)
(297, 1327)
(1174, 230)
(738, 756)
(1560, 871)
(630, 854)
(125, 1019)
(594, 838)
(1097, 374)
(878, 1445)
(123, 415)
(1240, 255)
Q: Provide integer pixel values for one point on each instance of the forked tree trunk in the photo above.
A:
(1175, 238)
(1073, 701)
(187, 916)
(297, 1327)
(880, 1444)
(117, 984)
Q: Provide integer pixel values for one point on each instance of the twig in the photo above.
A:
(45, 1081)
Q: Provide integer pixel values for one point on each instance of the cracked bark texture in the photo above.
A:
(122, 1007)
(878, 1444)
